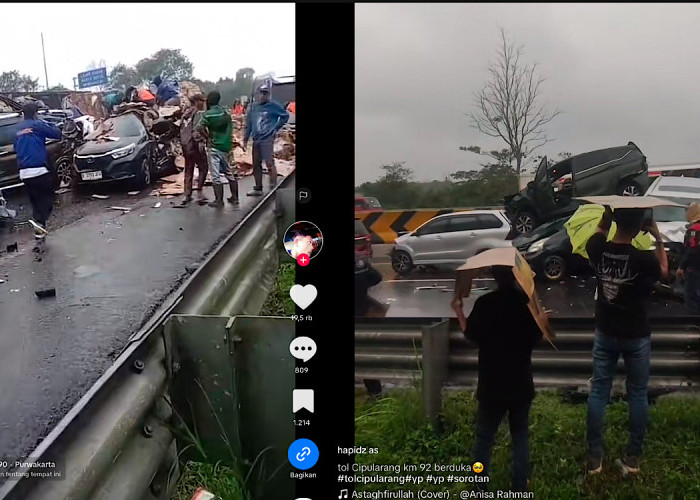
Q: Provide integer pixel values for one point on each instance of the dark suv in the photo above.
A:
(621, 170)
(9, 170)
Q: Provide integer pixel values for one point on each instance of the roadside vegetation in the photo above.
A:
(222, 481)
(670, 468)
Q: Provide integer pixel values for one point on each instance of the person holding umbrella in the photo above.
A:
(625, 279)
(503, 328)
(689, 266)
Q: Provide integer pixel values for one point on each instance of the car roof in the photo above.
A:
(675, 187)
(472, 212)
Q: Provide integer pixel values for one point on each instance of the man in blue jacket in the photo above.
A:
(263, 121)
(167, 92)
(33, 162)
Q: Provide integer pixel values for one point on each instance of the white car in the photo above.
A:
(448, 240)
(671, 220)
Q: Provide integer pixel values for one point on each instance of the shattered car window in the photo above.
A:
(119, 126)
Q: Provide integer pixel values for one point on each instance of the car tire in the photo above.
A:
(629, 188)
(144, 176)
(401, 262)
(554, 268)
(66, 173)
(525, 221)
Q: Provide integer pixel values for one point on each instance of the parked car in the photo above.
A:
(448, 240)
(367, 203)
(551, 257)
(9, 170)
(363, 244)
(120, 149)
(619, 170)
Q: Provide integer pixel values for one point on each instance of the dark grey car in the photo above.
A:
(621, 170)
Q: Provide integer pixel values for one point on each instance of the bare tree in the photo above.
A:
(508, 105)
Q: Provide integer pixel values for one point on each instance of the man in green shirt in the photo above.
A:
(219, 125)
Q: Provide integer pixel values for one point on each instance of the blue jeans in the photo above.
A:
(636, 354)
(488, 419)
(219, 167)
(692, 292)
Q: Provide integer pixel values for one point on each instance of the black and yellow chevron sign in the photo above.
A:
(385, 226)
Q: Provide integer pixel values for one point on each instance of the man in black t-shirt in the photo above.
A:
(625, 279)
(503, 328)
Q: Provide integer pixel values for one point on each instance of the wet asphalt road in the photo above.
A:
(110, 271)
(428, 294)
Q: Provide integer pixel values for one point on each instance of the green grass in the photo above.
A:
(670, 468)
(279, 303)
(223, 481)
(218, 479)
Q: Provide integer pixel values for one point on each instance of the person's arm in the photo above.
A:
(282, 116)
(457, 308)
(660, 250)
(203, 123)
(47, 130)
(229, 126)
(605, 222)
(248, 122)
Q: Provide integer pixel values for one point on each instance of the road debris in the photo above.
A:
(2, 281)
(133, 193)
(43, 294)
(12, 247)
(100, 196)
(123, 209)
(172, 185)
(63, 190)
(157, 205)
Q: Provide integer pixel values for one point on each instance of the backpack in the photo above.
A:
(692, 236)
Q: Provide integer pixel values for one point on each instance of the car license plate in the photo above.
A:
(91, 176)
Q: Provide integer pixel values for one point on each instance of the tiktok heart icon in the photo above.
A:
(303, 296)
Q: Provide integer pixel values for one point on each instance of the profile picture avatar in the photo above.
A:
(303, 238)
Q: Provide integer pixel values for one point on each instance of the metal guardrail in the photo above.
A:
(433, 351)
(117, 442)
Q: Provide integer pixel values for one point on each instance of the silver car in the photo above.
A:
(448, 240)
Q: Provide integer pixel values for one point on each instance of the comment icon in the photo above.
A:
(303, 348)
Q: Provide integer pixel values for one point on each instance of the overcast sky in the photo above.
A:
(218, 38)
(617, 72)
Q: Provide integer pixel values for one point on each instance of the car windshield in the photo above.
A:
(373, 203)
(549, 227)
(669, 214)
(114, 128)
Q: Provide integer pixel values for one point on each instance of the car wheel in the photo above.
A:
(67, 176)
(401, 262)
(629, 188)
(525, 222)
(554, 268)
(143, 175)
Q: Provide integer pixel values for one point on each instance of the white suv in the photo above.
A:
(448, 240)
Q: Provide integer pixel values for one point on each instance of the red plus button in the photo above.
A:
(303, 260)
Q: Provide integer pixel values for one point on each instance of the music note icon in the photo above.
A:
(343, 494)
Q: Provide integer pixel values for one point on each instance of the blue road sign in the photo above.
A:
(92, 78)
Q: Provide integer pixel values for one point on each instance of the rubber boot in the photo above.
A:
(233, 185)
(219, 194)
(255, 192)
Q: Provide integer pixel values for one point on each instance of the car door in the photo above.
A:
(543, 190)
(595, 173)
(427, 241)
(9, 171)
(461, 240)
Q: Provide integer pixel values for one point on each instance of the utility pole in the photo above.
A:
(46, 73)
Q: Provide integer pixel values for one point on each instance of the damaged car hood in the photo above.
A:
(105, 146)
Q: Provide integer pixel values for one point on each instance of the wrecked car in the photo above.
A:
(621, 170)
(9, 169)
(120, 149)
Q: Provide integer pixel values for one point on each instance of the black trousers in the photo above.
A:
(41, 196)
